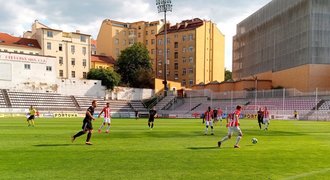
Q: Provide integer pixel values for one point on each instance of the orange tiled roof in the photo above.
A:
(103, 59)
(8, 40)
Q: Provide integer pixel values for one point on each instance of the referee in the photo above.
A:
(87, 124)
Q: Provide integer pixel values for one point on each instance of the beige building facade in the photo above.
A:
(115, 36)
(195, 53)
(71, 49)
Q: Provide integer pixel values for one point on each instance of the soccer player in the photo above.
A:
(215, 115)
(295, 114)
(136, 114)
(266, 118)
(208, 120)
(152, 114)
(30, 119)
(260, 117)
(87, 124)
(107, 118)
(233, 125)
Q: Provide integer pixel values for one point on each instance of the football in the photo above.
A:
(254, 140)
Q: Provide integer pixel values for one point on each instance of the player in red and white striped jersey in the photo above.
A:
(208, 120)
(233, 125)
(107, 118)
(266, 118)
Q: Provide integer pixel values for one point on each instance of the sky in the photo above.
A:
(17, 16)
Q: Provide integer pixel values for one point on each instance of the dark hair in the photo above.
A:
(238, 107)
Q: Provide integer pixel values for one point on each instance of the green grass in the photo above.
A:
(175, 149)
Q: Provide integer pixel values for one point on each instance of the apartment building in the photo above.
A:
(195, 53)
(115, 36)
(71, 49)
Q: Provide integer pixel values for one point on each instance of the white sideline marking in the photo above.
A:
(307, 174)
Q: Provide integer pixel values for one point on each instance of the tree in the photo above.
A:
(131, 62)
(228, 75)
(109, 78)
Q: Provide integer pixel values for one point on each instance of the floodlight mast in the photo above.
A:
(164, 6)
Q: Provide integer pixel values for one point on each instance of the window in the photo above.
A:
(184, 59)
(48, 68)
(116, 41)
(176, 44)
(49, 46)
(146, 42)
(191, 82)
(152, 41)
(176, 66)
(184, 72)
(191, 71)
(159, 42)
(27, 66)
(117, 32)
(191, 48)
(146, 32)
(117, 52)
(176, 76)
(191, 60)
(131, 41)
(184, 49)
(176, 55)
(183, 82)
(175, 36)
(152, 51)
(159, 52)
(84, 50)
(61, 73)
(60, 60)
(50, 34)
(168, 40)
(73, 74)
(124, 33)
(84, 75)
(191, 37)
(73, 61)
(184, 38)
(124, 42)
(84, 62)
(73, 49)
(60, 47)
(152, 31)
(83, 38)
(139, 35)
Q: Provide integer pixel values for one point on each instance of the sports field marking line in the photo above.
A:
(307, 174)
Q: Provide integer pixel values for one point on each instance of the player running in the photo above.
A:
(152, 114)
(107, 118)
(30, 119)
(233, 125)
(87, 124)
(208, 120)
(266, 118)
(260, 117)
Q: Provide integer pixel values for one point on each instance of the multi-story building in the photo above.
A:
(21, 66)
(195, 53)
(287, 42)
(116, 36)
(71, 49)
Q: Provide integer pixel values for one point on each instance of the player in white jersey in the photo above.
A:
(233, 126)
(107, 118)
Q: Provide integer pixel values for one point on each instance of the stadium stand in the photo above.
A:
(138, 106)
(42, 101)
(115, 105)
(2, 100)
(166, 101)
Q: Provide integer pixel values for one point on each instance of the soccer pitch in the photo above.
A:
(174, 149)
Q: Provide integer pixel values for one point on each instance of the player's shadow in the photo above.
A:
(55, 145)
(201, 148)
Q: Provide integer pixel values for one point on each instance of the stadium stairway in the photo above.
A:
(6, 98)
